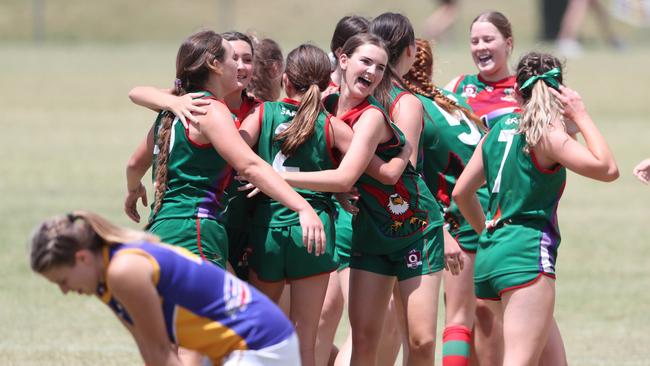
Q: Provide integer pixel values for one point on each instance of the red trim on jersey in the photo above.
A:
(395, 101)
(291, 101)
(198, 237)
(529, 283)
(247, 105)
(328, 140)
(187, 129)
(332, 84)
(533, 157)
(507, 82)
(460, 79)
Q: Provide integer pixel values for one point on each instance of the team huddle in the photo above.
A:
(367, 185)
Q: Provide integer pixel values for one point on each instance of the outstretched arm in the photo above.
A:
(369, 131)
(464, 193)
(385, 172)
(185, 107)
(218, 127)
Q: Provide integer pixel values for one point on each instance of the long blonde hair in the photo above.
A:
(540, 107)
(56, 240)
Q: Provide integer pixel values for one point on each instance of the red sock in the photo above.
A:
(455, 345)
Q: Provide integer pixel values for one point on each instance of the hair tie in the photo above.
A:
(177, 85)
(550, 77)
(71, 217)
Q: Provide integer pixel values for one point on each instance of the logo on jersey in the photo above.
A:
(236, 295)
(509, 95)
(489, 89)
(413, 259)
(287, 112)
(398, 204)
(469, 91)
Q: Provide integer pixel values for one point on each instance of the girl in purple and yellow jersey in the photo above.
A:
(490, 93)
(164, 295)
(524, 160)
(450, 135)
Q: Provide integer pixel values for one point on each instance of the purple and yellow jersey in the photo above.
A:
(205, 308)
(197, 176)
(489, 100)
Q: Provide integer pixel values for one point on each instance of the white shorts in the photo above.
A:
(285, 353)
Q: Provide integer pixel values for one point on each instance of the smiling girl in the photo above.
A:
(490, 93)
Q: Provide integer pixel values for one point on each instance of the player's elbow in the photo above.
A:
(611, 173)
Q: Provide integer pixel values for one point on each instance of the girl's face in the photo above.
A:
(229, 70)
(490, 50)
(244, 58)
(364, 69)
(82, 277)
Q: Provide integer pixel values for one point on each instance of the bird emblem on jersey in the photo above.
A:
(398, 204)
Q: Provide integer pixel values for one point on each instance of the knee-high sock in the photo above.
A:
(456, 345)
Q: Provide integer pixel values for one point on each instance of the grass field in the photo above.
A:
(68, 129)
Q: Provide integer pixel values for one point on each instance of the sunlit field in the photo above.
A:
(69, 128)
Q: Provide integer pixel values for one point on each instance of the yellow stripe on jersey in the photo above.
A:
(154, 262)
(206, 336)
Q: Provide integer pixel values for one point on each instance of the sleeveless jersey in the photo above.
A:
(313, 155)
(197, 176)
(448, 143)
(390, 217)
(204, 307)
(396, 92)
(489, 100)
(238, 205)
(520, 190)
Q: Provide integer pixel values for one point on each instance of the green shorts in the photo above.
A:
(238, 251)
(343, 228)
(513, 256)
(278, 253)
(206, 238)
(466, 237)
(422, 257)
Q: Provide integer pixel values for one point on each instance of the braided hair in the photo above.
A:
(418, 80)
(193, 61)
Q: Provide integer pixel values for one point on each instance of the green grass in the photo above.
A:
(68, 129)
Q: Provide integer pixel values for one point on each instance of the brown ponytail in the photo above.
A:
(308, 70)
(194, 57)
(419, 80)
(56, 240)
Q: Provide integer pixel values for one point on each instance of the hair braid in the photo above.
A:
(419, 80)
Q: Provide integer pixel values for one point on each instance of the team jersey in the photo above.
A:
(313, 155)
(520, 190)
(396, 93)
(390, 217)
(448, 142)
(196, 175)
(489, 100)
(239, 205)
(205, 308)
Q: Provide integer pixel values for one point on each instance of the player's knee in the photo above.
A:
(422, 347)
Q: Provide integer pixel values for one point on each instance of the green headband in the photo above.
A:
(550, 77)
